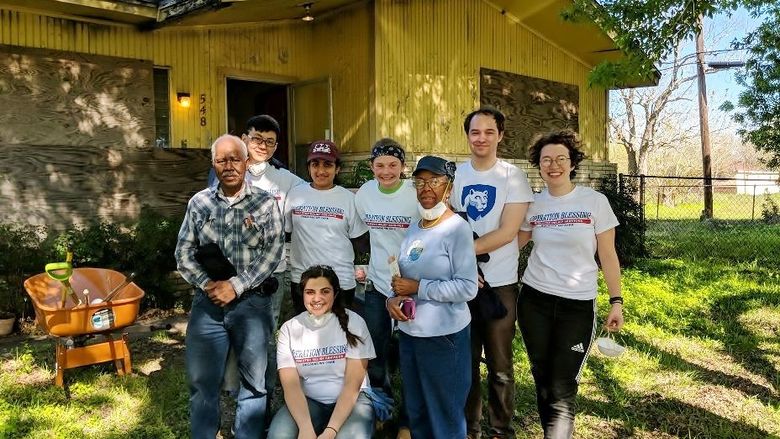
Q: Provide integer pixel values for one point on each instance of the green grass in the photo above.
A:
(703, 361)
(725, 206)
(150, 404)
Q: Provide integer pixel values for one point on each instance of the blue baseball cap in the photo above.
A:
(437, 165)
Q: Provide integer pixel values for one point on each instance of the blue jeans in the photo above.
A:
(359, 424)
(245, 325)
(436, 375)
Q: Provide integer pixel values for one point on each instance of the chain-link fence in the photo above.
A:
(744, 223)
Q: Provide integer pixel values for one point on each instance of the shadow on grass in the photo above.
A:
(654, 412)
(671, 361)
(740, 342)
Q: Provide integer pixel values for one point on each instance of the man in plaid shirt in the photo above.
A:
(246, 225)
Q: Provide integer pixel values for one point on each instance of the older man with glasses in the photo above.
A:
(230, 242)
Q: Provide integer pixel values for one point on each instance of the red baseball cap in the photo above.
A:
(324, 150)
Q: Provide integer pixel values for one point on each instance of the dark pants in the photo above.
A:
(436, 379)
(557, 333)
(296, 294)
(495, 336)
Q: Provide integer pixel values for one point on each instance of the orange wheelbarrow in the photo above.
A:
(79, 304)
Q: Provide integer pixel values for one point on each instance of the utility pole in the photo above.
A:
(704, 123)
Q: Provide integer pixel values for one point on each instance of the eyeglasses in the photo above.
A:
(269, 141)
(432, 183)
(233, 161)
(548, 161)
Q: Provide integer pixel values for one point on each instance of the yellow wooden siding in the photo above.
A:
(200, 58)
(428, 54)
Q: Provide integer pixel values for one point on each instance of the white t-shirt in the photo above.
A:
(388, 217)
(320, 354)
(482, 195)
(564, 229)
(277, 182)
(322, 224)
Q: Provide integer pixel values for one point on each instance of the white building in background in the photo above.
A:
(757, 182)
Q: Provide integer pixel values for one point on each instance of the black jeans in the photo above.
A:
(296, 293)
(557, 333)
(495, 336)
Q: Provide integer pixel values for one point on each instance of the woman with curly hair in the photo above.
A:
(568, 224)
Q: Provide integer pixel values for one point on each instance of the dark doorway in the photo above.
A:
(249, 98)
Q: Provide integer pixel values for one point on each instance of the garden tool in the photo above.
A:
(113, 293)
(62, 272)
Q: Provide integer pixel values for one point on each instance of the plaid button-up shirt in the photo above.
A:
(249, 232)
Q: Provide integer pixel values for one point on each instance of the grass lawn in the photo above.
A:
(725, 206)
(703, 362)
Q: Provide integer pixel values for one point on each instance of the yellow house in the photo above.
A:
(116, 76)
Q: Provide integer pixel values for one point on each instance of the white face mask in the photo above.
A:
(258, 169)
(319, 321)
(434, 212)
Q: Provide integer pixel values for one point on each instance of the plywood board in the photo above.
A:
(60, 185)
(532, 106)
(66, 98)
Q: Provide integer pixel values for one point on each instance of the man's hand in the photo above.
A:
(220, 292)
(615, 318)
(404, 287)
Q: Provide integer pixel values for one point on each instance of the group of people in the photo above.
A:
(442, 279)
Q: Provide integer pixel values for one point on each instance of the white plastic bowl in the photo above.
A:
(609, 347)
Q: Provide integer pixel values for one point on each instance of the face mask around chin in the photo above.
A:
(433, 213)
(319, 321)
(258, 169)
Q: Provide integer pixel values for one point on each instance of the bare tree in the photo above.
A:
(645, 120)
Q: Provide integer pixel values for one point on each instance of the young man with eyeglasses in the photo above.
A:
(244, 224)
(495, 196)
(266, 173)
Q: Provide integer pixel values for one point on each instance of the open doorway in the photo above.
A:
(249, 98)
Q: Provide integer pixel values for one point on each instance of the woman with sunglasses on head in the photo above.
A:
(439, 274)
(568, 224)
(387, 205)
(322, 356)
(323, 223)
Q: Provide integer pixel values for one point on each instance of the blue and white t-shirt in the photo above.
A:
(564, 230)
(482, 195)
(320, 354)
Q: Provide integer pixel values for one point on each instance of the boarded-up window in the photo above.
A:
(532, 106)
(72, 99)
(162, 108)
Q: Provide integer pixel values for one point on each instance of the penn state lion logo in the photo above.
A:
(478, 199)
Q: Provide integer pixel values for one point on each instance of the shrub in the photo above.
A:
(629, 236)
(360, 174)
(770, 213)
(21, 256)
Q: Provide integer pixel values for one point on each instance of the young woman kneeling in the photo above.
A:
(322, 356)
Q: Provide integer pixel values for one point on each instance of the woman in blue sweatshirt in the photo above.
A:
(439, 274)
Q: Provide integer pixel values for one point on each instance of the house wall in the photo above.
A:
(200, 58)
(428, 55)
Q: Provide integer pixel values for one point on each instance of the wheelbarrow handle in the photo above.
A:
(60, 271)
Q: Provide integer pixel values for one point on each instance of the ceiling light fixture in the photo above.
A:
(307, 9)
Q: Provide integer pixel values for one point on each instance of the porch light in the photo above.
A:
(307, 9)
(183, 99)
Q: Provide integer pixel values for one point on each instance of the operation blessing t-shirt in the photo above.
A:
(564, 229)
(322, 222)
(320, 354)
(388, 217)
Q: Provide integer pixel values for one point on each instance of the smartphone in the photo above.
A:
(409, 308)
